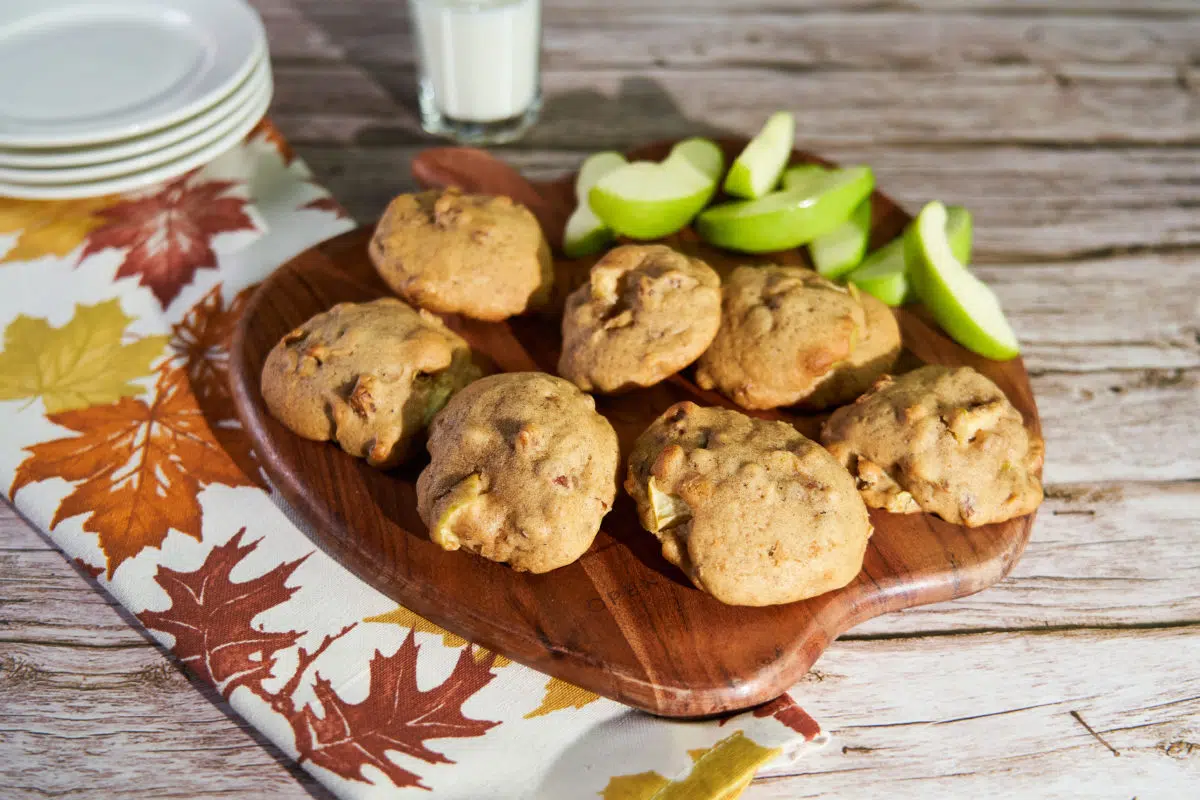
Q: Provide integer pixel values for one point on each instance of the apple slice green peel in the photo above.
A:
(817, 202)
(961, 303)
(884, 272)
(756, 171)
(586, 233)
(649, 200)
(842, 249)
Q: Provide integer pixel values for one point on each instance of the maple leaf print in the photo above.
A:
(211, 617)
(168, 234)
(408, 619)
(85, 362)
(327, 203)
(396, 716)
(137, 468)
(560, 695)
(267, 131)
(49, 227)
(786, 711)
(201, 342)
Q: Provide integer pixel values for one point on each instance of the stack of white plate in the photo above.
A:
(104, 96)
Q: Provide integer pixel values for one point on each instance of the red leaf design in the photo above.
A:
(202, 340)
(396, 715)
(327, 203)
(211, 618)
(168, 234)
(93, 572)
(784, 709)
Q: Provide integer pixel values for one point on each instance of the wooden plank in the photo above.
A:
(1030, 204)
(589, 109)
(991, 716)
(1101, 555)
(594, 36)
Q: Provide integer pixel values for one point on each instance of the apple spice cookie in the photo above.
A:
(943, 440)
(477, 255)
(523, 469)
(874, 356)
(368, 375)
(752, 511)
(646, 312)
(783, 329)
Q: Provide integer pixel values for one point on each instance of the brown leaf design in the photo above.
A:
(168, 234)
(396, 716)
(211, 617)
(267, 131)
(201, 340)
(784, 709)
(137, 467)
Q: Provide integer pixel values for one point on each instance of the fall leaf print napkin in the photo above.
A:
(118, 438)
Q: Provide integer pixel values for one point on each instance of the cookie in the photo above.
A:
(783, 329)
(873, 356)
(369, 376)
(753, 512)
(943, 440)
(477, 255)
(646, 312)
(523, 469)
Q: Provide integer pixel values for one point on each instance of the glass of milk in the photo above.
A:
(478, 60)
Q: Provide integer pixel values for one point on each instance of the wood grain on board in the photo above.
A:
(621, 621)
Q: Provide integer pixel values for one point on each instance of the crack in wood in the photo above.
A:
(1079, 718)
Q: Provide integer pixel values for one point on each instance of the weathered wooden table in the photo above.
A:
(1071, 130)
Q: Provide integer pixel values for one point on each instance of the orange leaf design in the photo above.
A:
(202, 339)
(168, 234)
(210, 617)
(267, 131)
(137, 468)
(395, 716)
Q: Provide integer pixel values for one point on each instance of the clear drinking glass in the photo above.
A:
(479, 67)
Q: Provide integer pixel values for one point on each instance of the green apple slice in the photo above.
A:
(789, 218)
(464, 493)
(842, 249)
(703, 154)
(648, 200)
(884, 272)
(756, 171)
(961, 303)
(797, 175)
(585, 232)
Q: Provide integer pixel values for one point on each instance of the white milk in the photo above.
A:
(480, 57)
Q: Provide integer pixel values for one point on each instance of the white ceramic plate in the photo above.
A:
(82, 72)
(139, 180)
(55, 158)
(94, 172)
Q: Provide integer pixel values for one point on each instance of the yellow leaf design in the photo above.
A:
(722, 772)
(641, 786)
(49, 228)
(407, 619)
(83, 363)
(560, 695)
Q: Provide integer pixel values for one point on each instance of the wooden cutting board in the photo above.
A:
(621, 621)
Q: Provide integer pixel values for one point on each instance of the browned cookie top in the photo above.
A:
(368, 375)
(874, 355)
(646, 312)
(523, 469)
(782, 330)
(470, 254)
(752, 511)
(939, 439)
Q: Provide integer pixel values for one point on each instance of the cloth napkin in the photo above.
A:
(118, 438)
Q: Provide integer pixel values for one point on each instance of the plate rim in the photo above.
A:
(123, 149)
(138, 180)
(163, 119)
